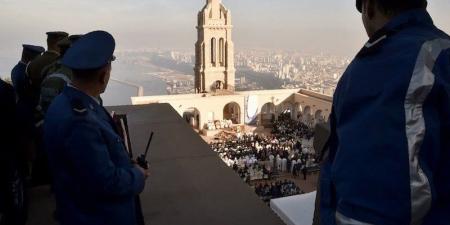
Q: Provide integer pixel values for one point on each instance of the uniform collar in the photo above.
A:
(22, 62)
(82, 100)
(96, 100)
(81, 103)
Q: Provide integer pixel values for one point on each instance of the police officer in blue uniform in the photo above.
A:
(19, 77)
(25, 106)
(390, 123)
(95, 182)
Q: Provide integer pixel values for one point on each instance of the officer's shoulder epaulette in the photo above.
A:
(78, 107)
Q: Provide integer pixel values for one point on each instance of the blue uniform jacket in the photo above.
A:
(390, 145)
(19, 79)
(25, 106)
(94, 180)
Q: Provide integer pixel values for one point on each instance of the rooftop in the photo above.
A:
(189, 184)
(158, 98)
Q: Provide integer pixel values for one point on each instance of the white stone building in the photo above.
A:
(216, 99)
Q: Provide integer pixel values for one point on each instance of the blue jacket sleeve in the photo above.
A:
(89, 155)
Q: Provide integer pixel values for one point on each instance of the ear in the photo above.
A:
(102, 78)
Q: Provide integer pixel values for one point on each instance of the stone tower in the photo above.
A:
(214, 50)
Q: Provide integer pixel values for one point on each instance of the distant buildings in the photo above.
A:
(215, 100)
(293, 70)
(318, 73)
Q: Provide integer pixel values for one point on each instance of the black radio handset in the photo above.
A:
(142, 159)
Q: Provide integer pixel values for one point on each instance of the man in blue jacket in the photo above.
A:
(389, 150)
(95, 182)
(19, 76)
(28, 139)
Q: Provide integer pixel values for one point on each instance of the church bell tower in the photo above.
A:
(214, 50)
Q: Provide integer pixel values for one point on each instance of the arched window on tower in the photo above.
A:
(222, 52)
(213, 51)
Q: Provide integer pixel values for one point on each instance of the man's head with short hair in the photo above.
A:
(97, 79)
(376, 13)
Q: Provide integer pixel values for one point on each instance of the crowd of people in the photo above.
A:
(218, 124)
(267, 191)
(288, 149)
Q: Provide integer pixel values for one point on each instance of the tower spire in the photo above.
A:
(213, 1)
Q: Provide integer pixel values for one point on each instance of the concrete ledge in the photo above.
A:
(189, 184)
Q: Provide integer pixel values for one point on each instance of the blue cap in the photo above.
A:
(92, 51)
(33, 49)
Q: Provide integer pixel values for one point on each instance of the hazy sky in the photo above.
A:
(330, 26)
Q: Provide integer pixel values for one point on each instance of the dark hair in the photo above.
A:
(397, 6)
(89, 75)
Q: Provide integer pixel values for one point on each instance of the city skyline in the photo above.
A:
(329, 26)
